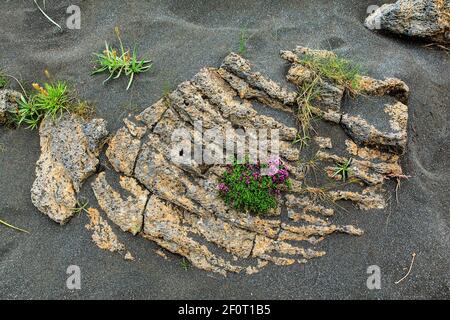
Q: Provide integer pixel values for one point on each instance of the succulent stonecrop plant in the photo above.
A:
(254, 188)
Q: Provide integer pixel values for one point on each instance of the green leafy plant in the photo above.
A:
(49, 101)
(343, 169)
(242, 42)
(81, 206)
(185, 264)
(302, 139)
(243, 38)
(334, 68)
(253, 188)
(3, 80)
(120, 63)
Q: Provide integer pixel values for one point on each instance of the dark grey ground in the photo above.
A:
(181, 37)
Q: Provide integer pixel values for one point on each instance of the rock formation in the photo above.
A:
(427, 19)
(8, 102)
(175, 203)
(70, 148)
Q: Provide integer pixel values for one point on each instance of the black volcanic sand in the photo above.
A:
(181, 37)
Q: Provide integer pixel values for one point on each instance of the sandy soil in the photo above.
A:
(181, 37)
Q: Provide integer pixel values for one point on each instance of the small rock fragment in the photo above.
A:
(126, 213)
(128, 256)
(366, 200)
(389, 86)
(103, 235)
(8, 103)
(323, 142)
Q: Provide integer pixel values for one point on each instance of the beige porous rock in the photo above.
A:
(70, 147)
(127, 212)
(8, 103)
(426, 19)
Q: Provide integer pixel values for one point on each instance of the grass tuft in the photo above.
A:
(185, 264)
(49, 101)
(242, 42)
(337, 69)
(83, 109)
(81, 207)
(116, 64)
(302, 139)
(343, 169)
(307, 93)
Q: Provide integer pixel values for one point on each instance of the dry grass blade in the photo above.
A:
(12, 227)
(336, 69)
(409, 270)
(45, 15)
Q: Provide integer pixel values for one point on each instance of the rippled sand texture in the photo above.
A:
(181, 38)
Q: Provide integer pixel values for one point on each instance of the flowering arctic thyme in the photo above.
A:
(254, 188)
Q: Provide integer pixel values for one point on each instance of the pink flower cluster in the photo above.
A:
(277, 170)
(223, 187)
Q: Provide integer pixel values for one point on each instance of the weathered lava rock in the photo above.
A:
(360, 116)
(70, 148)
(8, 102)
(126, 213)
(175, 204)
(428, 19)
